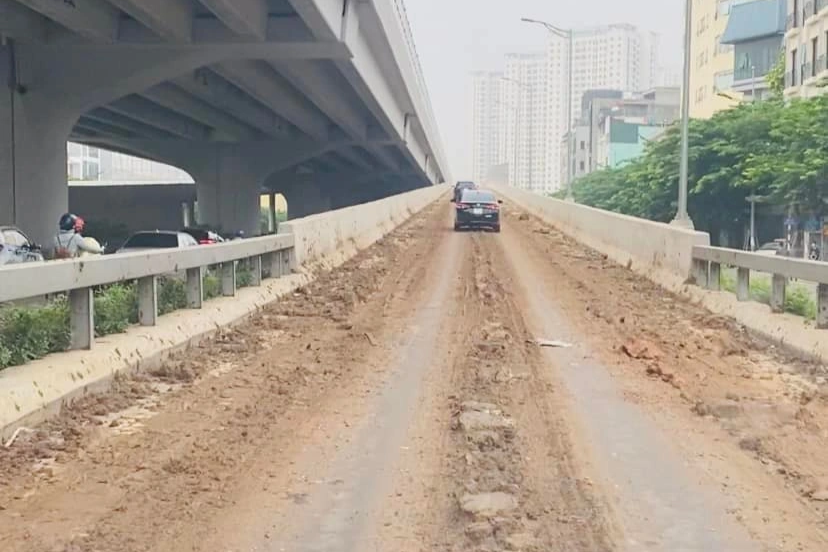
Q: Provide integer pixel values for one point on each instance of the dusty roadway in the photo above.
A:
(399, 404)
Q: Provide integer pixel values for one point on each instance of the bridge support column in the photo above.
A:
(229, 204)
(33, 192)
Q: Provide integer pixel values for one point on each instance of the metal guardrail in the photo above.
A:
(707, 263)
(268, 256)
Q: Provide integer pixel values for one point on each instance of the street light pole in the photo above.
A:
(682, 216)
(569, 34)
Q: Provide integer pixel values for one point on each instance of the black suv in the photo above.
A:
(458, 190)
(477, 209)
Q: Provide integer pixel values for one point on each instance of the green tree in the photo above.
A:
(776, 77)
(768, 148)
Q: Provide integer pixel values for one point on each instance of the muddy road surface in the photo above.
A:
(442, 391)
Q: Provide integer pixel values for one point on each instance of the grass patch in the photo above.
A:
(798, 298)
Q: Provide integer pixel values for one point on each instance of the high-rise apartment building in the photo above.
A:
(806, 48)
(619, 57)
(487, 123)
(711, 62)
(524, 130)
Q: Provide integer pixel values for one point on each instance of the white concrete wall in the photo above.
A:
(330, 238)
(645, 245)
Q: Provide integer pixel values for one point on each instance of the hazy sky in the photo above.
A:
(457, 37)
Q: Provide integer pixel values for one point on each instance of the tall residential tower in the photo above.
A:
(618, 57)
(487, 136)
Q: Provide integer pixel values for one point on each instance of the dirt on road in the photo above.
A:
(403, 402)
(750, 416)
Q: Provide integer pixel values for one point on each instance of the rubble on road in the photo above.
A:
(488, 505)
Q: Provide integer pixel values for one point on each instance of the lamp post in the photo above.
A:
(682, 216)
(569, 35)
(753, 200)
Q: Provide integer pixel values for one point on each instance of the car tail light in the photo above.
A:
(206, 242)
(462, 206)
(494, 207)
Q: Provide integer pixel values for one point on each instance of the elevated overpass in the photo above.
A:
(322, 100)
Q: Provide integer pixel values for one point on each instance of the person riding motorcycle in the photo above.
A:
(69, 242)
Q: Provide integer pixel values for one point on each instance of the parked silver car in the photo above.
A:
(16, 247)
(157, 239)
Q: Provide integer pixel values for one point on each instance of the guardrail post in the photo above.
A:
(288, 261)
(81, 318)
(822, 306)
(276, 264)
(228, 279)
(700, 272)
(777, 298)
(256, 270)
(714, 282)
(148, 301)
(743, 284)
(195, 287)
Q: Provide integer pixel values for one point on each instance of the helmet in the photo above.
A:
(67, 222)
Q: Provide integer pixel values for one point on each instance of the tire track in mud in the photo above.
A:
(507, 475)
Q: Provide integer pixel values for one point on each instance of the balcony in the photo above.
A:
(749, 73)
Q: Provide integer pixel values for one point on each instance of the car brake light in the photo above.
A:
(205, 242)
(461, 206)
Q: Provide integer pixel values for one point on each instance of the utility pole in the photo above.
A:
(682, 216)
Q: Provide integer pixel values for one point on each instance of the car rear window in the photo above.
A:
(197, 233)
(152, 240)
(476, 196)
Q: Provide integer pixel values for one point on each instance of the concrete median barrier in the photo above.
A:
(643, 245)
(333, 237)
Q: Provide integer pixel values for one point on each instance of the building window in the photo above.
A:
(794, 68)
(815, 50)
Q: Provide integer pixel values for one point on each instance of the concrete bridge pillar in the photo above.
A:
(33, 134)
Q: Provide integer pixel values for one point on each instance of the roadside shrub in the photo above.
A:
(244, 276)
(30, 333)
(798, 301)
(211, 285)
(172, 295)
(116, 307)
(5, 356)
